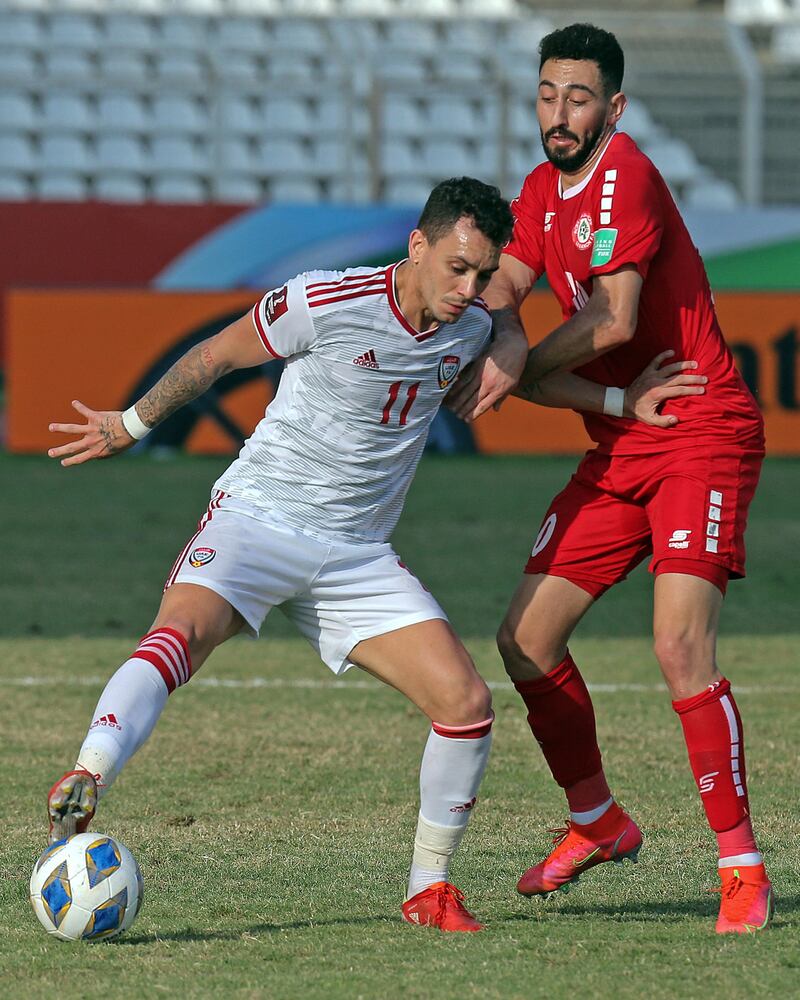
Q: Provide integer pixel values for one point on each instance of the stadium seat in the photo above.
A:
(124, 67)
(17, 111)
(122, 113)
(182, 68)
(14, 187)
(20, 28)
(65, 153)
(294, 189)
(128, 31)
(18, 66)
(68, 65)
(636, 121)
(57, 186)
(353, 34)
(16, 153)
(235, 156)
(400, 158)
(120, 187)
(333, 156)
(350, 189)
(181, 33)
(172, 154)
(523, 36)
(286, 116)
(73, 31)
(413, 35)
(283, 156)
(236, 189)
(182, 115)
(307, 37)
(399, 64)
(711, 193)
(332, 115)
(67, 113)
(520, 69)
(522, 118)
(236, 115)
(120, 154)
(447, 158)
(236, 69)
(179, 188)
(462, 67)
(284, 65)
(406, 191)
(452, 116)
(476, 37)
(241, 34)
(402, 115)
(674, 160)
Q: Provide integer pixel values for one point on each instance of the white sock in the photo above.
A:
(583, 818)
(126, 713)
(451, 772)
(752, 858)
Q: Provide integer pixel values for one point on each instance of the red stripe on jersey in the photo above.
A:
(354, 278)
(482, 305)
(398, 313)
(473, 732)
(344, 298)
(262, 333)
(335, 292)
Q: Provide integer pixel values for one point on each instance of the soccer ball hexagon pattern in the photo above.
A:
(88, 886)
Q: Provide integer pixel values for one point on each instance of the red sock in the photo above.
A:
(712, 728)
(561, 718)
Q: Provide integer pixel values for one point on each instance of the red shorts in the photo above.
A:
(688, 509)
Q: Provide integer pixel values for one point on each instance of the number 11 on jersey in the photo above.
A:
(394, 392)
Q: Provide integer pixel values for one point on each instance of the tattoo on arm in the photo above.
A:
(188, 378)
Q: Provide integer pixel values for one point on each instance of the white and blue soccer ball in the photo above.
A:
(86, 887)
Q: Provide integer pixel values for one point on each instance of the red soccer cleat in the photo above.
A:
(71, 803)
(440, 905)
(614, 837)
(747, 904)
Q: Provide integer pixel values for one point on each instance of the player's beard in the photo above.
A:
(570, 163)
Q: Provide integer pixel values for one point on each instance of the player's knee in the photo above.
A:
(465, 704)
(686, 661)
(201, 636)
(522, 657)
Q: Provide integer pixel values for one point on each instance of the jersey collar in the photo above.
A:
(394, 305)
(581, 186)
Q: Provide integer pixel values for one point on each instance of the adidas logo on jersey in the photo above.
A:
(367, 360)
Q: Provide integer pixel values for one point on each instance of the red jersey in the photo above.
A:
(621, 214)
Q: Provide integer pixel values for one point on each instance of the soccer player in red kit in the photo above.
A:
(599, 220)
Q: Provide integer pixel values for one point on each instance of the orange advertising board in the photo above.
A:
(100, 346)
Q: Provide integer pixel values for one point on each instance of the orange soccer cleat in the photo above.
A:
(71, 803)
(747, 904)
(614, 837)
(440, 905)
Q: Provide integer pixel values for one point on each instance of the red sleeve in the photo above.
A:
(631, 222)
(527, 239)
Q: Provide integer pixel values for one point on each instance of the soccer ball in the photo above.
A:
(87, 886)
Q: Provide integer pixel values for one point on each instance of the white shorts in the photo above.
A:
(336, 593)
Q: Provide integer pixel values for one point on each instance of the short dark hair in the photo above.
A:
(459, 196)
(586, 41)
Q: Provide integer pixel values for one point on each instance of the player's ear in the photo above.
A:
(417, 245)
(616, 106)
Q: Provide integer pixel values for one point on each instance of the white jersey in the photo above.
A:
(337, 448)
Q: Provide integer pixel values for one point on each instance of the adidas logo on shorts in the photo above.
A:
(367, 360)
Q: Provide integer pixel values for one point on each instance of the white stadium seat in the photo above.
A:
(452, 116)
(476, 37)
(128, 31)
(283, 156)
(636, 121)
(67, 113)
(16, 153)
(122, 113)
(184, 115)
(66, 153)
(400, 158)
(524, 36)
(177, 155)
(415, 36)
(235, 69)
(120, 154)
(308, 37)
(179, 189)
(235, 156)
(402, 115)
(183, 68)
(18, 66)
(120, 187)
(294, 189)
(235, 115)
(241, 34)
(17, 111)
(462, 67)
(332, 115)
(287, 116)
(14, 187)
(236, 189)
(68, 65)
(711, 193)
(182, 33)
(73, 31)
(674, 160)
(124, 67)
(21, 29)
(447, 158)
(57, 186)
(406, 191)
(399, 64)
(283, 65)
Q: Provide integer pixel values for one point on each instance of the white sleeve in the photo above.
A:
(282, 319)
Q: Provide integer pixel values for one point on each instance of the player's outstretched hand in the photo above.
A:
(488, 380)
(646, 394)
(100, 437)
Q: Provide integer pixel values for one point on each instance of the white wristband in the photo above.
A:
(614, 402)
(134, 425)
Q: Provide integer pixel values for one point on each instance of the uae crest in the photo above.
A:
(448, 369)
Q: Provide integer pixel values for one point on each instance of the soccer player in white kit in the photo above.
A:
(302, 517)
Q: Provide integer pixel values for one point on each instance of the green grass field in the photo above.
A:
(272, 812)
